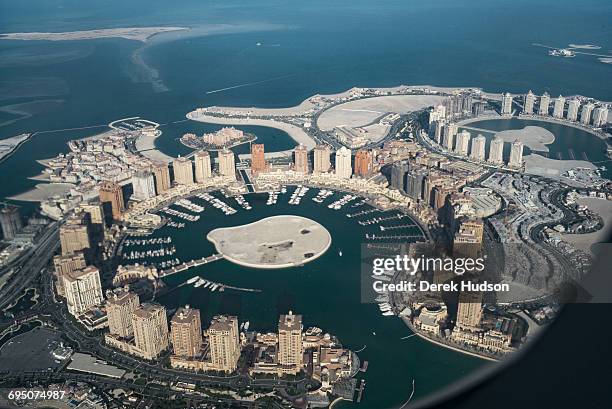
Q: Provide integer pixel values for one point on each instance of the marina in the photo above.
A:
(377, 220)
(217, 203)
(362, 213)
(272, 198)
(161, 252)
(188, 205)
(217, 285)
(402, 226)
(322, 195)
(338, 204)
(212, 286)
(243, 202)
(147, 242)
(190, 264)
(181, 215)
(297, 195)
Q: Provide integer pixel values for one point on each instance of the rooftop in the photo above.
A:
(90, 364)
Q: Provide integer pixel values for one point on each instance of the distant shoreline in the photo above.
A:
(130, 33)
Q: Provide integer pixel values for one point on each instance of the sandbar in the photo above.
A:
(131, 33)
(534, 137)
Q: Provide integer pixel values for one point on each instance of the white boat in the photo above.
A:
(340, 253)
(192, 280)
(388, 313)
(246, 325)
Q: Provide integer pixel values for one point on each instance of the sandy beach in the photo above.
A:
(145, 145)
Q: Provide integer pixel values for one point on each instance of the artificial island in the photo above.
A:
(108, 260)
(273, 242)
(225, 138)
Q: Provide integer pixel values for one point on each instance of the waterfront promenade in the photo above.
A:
(447, 344)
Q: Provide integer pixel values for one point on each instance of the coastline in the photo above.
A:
(145, 145)
(313, 102)
(457, 349)
(335, 401)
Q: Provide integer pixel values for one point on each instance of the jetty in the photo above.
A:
(360, 390)
(393, 237)
(189, 264)
(402, 226)
(362, 213)
(374, 220)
